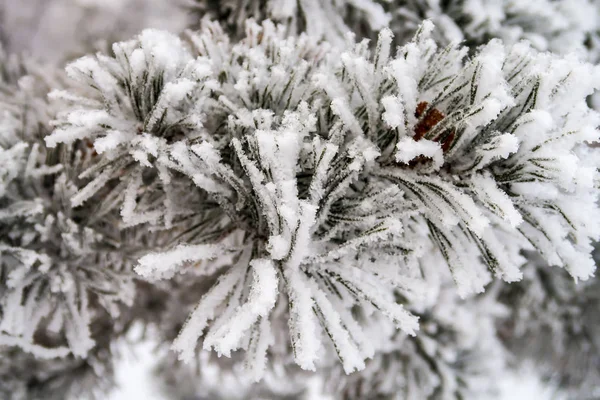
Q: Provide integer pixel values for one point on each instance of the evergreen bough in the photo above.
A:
(251, 189)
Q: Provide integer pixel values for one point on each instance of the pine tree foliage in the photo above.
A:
(477, 118)
(25, 376)
(455, 356)
(138, 105)
(328, 19)
(277, 221)
(292, 144)
(563, 319)
(560, 26)
(273, 189)
(57, 267)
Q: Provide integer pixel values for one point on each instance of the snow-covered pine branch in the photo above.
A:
(323, 174)
(248, 164)
(326, 19)
(497, 180)
(318, 170)
(456, 355)
(552, 322)
(560, 26)
(277, 189)
(29, 376)
(147, 97)
(58, 272)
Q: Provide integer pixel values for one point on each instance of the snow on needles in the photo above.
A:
(303, 161)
